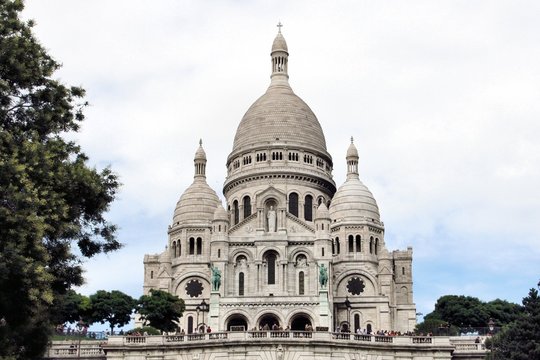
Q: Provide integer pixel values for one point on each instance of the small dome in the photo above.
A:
(353, 202)
(322, 212)
(221, 213)
(196, 205)
(200, 154)
(279, 43)
(352, 152)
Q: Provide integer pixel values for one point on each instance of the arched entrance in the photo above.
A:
(345, 327)
(237, 323)
(301, 322)
(269, 322)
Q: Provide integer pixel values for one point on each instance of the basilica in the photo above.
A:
(288, 250)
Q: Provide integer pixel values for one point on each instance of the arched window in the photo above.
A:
(402, 271)
(271, 267)
(376, 245)
(199, 246)
(151, 274)
(293, 204)
(174, 249)
(218, 253)
(369, 329)
(247, 206)
(190, 324)
(179, 247)
(301, 283)
(358, 243)
(337, 245)
(356, 322)
(191, 246)
(371, 245)
(308, 208)
(351, 244)
(333, 248)
(322, 251)
(236, 213)
(241, 284)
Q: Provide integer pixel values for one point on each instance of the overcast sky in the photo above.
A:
(442, 98)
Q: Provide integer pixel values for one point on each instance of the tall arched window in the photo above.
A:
(356, 322)
(337, 245)
(191, 246)
(308, 208)
(371, 245)
(241, 284)
(199, 246)
(190, 324)
(333, 248)
(174, 249)
(179, 247)
(271, 267)
(376, 245)
(351, 244)
(358, 243)
(247, 206)
(293, 204)
(301, 283)
(236, 213)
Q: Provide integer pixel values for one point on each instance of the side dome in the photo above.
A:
(220, 214)
(353, 202)
(198, 203)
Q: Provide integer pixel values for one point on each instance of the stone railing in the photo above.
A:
(271, 335)
(84, 350)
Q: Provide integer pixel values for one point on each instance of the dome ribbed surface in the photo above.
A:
(197, 204)
(354, 202)
(280, 116)
(221, 213)
(200, 154)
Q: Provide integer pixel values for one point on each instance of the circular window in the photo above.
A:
(194, 288)
(355, 286)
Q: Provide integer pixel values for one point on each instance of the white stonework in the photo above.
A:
(279, 162)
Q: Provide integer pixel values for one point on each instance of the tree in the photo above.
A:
(521, 339)
(113, 307)
(50, 199)
(71, 307)
(161, 310)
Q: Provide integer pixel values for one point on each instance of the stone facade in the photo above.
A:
(290, 248)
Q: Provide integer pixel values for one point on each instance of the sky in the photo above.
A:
(441, 97)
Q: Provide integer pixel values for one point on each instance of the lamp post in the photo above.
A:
(491, 326)
(202, 307)
(348, 305)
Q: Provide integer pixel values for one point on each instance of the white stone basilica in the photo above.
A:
(288, 249)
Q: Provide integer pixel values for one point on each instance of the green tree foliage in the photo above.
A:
(161, 310)
(113, 307)
(467, 311)
(521, 339)
(50, 200)
(71, 307)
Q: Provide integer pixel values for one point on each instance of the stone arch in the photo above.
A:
(300, 250)
(234, 322)
(270, 248)
(292, 203)
(300, 321)
(370, 285)
(301, 312)
(268, 317)
(234, 255)
(309, 209)
(246, 204)
(192, 275)
(271, 258)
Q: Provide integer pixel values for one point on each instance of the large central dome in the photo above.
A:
(279, 115)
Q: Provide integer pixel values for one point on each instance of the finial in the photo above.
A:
(200, 142)
(279, 25)
(352, 140)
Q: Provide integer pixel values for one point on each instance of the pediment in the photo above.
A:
(164, 274)
(271, 193)
(246, 226)
(385, 271)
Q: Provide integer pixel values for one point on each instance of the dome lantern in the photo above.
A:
(280, 57)
(352, 161)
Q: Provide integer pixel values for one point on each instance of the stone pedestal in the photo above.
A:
(213, 313)
(324, 309)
